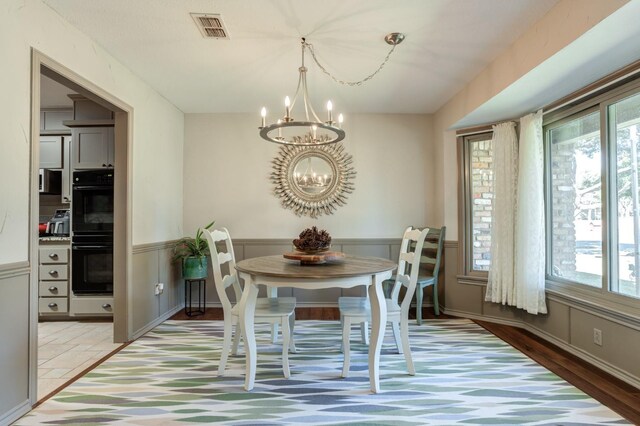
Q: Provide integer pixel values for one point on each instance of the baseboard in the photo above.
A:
(585, 356)
(573, 350)
(157, 321)
(15, 413)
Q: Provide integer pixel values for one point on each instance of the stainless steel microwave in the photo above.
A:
(49, 181)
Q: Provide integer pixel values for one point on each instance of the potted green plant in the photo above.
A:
(193, 254)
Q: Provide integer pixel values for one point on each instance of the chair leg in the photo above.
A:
(346, 330)
(292, 324)
(236, 339)
(286, 335)
(226, 345)
(364, 332)
(436, 305)
(342, 327)
(407, 349)
(395, 326)
(419, 295)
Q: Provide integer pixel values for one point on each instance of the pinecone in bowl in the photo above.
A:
(312, 241)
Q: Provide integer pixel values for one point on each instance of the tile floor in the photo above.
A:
(66, 348)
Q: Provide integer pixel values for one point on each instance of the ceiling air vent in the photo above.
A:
(210, 25)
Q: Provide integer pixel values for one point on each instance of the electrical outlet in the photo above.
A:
(161, 287)
(597, 337)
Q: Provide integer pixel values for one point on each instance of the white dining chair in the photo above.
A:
(273, 310)
(352, 312)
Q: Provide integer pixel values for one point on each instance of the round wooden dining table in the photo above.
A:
(351, 271)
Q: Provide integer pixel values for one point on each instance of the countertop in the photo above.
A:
(55, 240)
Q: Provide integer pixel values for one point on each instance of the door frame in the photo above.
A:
(122, 236)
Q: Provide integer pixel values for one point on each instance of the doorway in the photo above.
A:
(73, 327)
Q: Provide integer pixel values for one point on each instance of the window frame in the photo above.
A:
(601, 103)
(464, 144)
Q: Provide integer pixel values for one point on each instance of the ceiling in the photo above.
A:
(448, 42)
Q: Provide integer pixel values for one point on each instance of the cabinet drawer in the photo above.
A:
(91, 305)
(53, 272)
(53, 288)
(53, 305)
(54, 255)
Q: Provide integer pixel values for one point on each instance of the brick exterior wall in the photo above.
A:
(482, 195)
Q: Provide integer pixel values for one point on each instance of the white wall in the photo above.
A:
(157, 125)
(157, 160)
(227, 167)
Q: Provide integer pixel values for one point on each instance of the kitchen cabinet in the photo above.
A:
(91, 306)
(51, 121)
(50, 152)
(53, 283)
(93, 147)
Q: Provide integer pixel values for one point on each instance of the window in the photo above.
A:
(574, 197)
(624, 131)
(593, 194)
(478, 157)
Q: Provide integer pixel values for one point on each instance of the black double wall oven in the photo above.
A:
(92, 225)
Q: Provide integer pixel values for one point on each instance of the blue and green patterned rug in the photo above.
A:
(465, 375)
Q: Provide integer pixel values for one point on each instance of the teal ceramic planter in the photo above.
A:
(194, 268)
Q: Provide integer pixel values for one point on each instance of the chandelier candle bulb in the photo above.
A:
(287, 107)
(279, 129)
(263, 113)
(314, 128)
(340, 120)
(329, 108)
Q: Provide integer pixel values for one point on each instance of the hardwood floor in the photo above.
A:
(610, 391)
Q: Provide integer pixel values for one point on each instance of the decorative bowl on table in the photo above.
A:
(312, 241)
(312, 248)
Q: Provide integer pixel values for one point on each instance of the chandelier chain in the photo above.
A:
(349, 83)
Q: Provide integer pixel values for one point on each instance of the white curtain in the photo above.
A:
(500, 287)
(530, 227)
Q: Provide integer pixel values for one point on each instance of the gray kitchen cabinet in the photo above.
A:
(53, 282)
(93, 147)
(50, 152)
(51, 121)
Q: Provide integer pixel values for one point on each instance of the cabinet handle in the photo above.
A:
(53, 289)
(53, 272)
(53, 256)
(106, 306)
(104, 165)
(110, 165)
(52, 305)
(66, 198)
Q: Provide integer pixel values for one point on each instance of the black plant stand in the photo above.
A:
(202, 296)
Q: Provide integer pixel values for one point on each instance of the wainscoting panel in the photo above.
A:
(569, 322)
(556, 323)
(152, 264)
(14, 350)
(620, 344)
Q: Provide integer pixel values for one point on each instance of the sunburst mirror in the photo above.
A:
(313, 180)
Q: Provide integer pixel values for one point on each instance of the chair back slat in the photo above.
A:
(408, 265)
(221, 249)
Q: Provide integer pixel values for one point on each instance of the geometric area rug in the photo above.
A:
(464, 375)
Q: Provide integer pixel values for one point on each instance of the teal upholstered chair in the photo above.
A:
(429, 269)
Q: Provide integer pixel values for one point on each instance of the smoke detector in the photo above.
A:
(210, 25)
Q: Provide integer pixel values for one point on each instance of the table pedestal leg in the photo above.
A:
(246, 320)
(378, 326)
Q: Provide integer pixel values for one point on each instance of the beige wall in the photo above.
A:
(563, 24)
(227, 167)
(156, 175)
